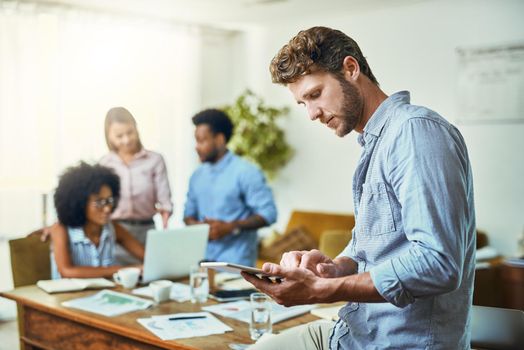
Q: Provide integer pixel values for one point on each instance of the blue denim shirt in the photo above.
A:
(232, 189)
(414, 233)
(84, 252)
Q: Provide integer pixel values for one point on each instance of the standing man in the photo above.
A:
(227, 192)
(407, 274)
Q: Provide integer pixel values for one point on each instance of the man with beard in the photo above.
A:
(226, 192)
(407, 274)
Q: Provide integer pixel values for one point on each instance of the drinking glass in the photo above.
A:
(260, 322)
(198, 284)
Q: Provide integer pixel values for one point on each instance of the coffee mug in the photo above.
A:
(127, 277)
(161, 290)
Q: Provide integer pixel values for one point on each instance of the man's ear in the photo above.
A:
(220, 139)
(351, 68)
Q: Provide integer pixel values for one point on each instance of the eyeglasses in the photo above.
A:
(103, 202)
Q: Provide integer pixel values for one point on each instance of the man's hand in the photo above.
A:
(46, 232)
(298, 286)
(312, 260)
(218, 229)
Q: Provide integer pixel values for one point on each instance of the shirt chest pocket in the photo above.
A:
(375, 216)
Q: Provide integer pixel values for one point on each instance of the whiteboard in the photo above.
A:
(490, 85)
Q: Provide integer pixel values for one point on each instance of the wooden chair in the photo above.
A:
(30, 262)
(30, 259)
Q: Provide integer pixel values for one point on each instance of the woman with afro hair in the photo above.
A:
(83, 242)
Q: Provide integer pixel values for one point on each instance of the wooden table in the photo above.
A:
(49, 325)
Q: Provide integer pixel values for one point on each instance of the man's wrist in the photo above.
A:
(235, 228)
(329, 290)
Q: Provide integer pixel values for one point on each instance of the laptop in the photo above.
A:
(170, 253)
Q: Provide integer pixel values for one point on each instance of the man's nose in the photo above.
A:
(314, 112)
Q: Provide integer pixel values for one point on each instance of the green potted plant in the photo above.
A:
(257, 136)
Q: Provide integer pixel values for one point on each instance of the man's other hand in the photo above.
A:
(218, 229)
(46, 232)
(313, 260)
(297, 286)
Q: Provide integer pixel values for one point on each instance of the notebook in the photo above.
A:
(170, 253)
(73, 284)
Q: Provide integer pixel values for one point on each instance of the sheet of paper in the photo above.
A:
(167, 329)
(109, 303)
(241, 310)
(73, 284)
(179, 292)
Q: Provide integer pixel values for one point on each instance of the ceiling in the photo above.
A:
(230, 13)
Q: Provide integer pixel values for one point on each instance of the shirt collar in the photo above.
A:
(222, 163)
(77, 235)
(377, 121)
(140, 154)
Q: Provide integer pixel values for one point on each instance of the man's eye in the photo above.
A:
(315, 94)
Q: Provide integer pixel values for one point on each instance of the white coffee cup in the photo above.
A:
(127, 277)
(161, 290)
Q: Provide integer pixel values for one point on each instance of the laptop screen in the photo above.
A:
(170, 253)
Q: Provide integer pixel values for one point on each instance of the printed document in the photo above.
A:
(241, 310)
(184, 325)
(109, 303)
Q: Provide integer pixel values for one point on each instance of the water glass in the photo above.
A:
(260, 322)
(198, 284)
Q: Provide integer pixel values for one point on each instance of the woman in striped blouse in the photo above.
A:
(83, 243)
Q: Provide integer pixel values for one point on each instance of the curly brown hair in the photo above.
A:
(317, 47)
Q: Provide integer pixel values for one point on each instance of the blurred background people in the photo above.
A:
(144, 184)
(83, 243)
(227, 192)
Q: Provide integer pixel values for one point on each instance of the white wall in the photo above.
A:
(409, 47)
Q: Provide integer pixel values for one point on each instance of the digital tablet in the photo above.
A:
(235, 268)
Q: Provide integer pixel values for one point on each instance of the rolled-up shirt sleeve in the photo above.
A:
(348, 251)
(258, 195)
(191, 205)
(430, 177)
